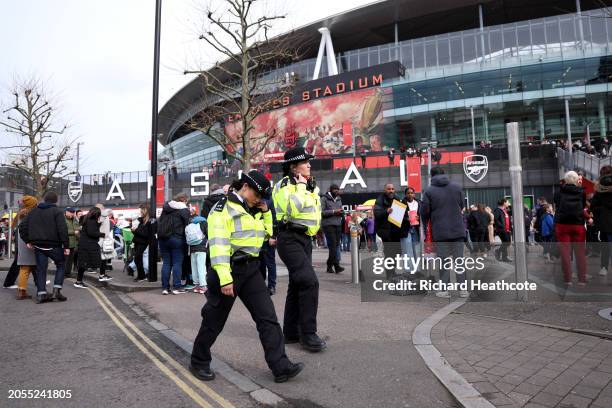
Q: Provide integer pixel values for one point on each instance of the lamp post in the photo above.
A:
(78, 160)
(473, 129)
(154, 117)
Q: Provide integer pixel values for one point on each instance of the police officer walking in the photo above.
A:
(237, 227)
(298, 211)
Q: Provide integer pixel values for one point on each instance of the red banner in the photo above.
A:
(414, 173)
(159, 194)
(347, 131)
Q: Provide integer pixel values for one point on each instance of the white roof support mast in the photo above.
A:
(326, 46)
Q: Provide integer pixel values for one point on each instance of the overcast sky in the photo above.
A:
(95, 58)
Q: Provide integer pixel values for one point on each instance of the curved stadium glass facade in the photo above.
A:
(472, 82)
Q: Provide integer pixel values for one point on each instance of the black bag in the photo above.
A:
(570, 208)
(165, 226)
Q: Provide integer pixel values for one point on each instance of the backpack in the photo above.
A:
(165, 226)
(194, 234)
(570, 208)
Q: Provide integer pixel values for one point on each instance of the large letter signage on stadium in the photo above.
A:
(112, 193)
(352, 181)
(475, 167)
(195, 183)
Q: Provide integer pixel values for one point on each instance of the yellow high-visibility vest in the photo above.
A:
(293, 203)
(230, 229)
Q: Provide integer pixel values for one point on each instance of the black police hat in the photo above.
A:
(258, 182)
(297, 154)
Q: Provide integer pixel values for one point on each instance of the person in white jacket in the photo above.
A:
(107, 243)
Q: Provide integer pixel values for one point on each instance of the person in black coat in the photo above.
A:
(478, 223)
(570, 232)
(503, 228)
(144, 235)
(389, 233)
(45, 230)
(601, 205)
(443, 206)
(89, 248)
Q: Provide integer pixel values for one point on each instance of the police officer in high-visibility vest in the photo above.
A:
(237, 227)
(298, 211)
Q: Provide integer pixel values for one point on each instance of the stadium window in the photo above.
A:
(419, 54)
(443, 51)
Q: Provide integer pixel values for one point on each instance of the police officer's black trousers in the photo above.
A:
(295, 249)
(250, 287)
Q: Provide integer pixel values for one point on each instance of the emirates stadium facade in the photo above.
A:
(449, 74)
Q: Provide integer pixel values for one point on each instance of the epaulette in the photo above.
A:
(220, 205)
(284, 182)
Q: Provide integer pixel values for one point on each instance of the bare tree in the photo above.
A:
(38, 145)
(235, 89)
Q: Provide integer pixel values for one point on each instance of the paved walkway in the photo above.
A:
(516, 364)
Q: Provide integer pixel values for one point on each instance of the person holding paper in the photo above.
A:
(386, 230)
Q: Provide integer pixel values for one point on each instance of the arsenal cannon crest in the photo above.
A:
(475, 167)
(75, 190)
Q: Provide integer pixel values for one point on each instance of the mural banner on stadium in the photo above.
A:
(320, 126)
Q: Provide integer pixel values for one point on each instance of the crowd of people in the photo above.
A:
(575, 224)
(599, 147)
(69, 237)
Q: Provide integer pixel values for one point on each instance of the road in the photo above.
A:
(101, 352)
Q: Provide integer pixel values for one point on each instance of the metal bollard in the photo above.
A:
(354, 256)
(11, 238)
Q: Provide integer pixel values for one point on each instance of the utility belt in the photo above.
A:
(242, 258)
(291, 226)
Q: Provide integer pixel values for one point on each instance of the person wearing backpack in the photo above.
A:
(171, 234)
(195, 235)
(570, 201)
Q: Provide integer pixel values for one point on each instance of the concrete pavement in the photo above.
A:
(518, 364)
(370, 360)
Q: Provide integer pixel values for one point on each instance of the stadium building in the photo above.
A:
(406, 73)
(411, 74)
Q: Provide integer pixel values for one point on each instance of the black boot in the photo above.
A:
(338, 268)
(313, 343)
(289, 372)
(204, 374)
(330, 269)
(57, 294)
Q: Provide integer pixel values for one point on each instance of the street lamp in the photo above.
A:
(154, 117)
(78, 160)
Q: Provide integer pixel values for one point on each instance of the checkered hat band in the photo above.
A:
(253, 180)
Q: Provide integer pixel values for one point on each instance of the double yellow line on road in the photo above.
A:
(123, 323)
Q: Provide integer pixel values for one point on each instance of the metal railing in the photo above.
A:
(587, 163)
